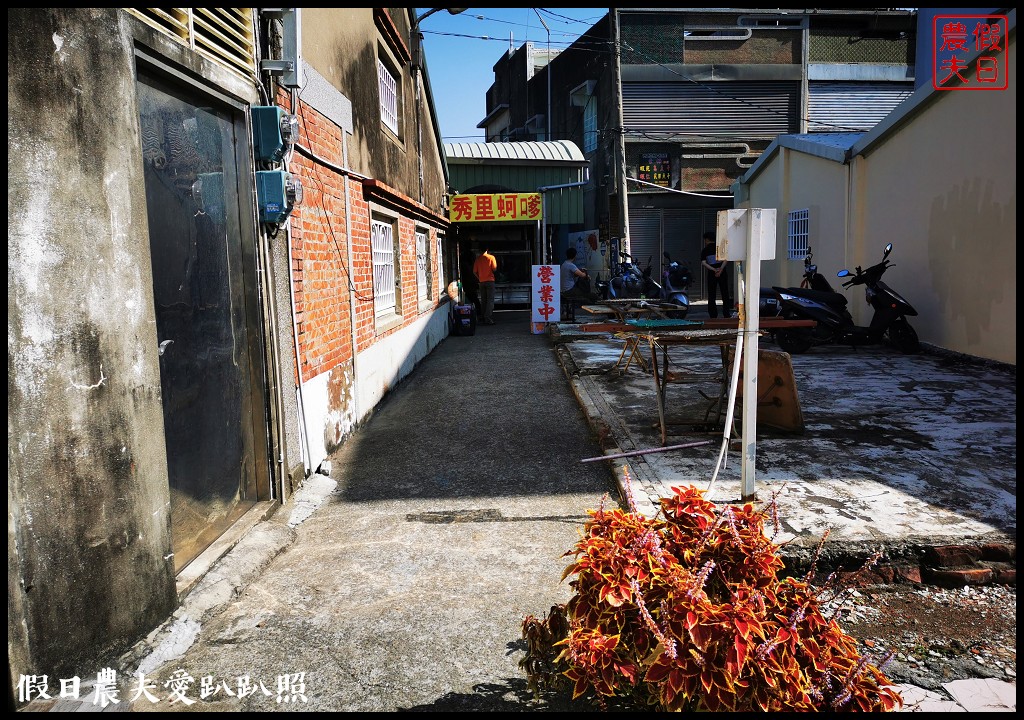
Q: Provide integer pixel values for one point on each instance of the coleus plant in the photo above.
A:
(687, 611)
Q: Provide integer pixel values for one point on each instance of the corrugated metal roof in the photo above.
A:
(558, 151)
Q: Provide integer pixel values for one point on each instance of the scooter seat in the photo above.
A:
(829, 298)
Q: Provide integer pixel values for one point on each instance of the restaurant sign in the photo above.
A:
(503, 207)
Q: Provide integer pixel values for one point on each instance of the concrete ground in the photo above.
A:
(911, 455)
(900, 452)
(401, 581)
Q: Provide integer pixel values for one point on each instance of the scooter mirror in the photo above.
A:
(842, 273)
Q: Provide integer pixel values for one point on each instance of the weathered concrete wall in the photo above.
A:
(88, 524)
(337, 43)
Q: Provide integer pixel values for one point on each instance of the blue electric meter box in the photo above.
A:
(272, 196)
(273, 132)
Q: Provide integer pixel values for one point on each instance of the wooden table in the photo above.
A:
(664, 374)
(615, 325)
(640, 322)
(722, 338)
(620, 310)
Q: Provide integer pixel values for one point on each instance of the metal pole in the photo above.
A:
(620, 138)
(649, 451)
(539, 17)
(748, 321)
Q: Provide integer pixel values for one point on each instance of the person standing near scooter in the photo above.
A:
(717, 276)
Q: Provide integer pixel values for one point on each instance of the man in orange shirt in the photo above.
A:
(483, 269)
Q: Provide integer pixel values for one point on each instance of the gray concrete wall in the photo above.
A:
(88, 524)
(339, 44)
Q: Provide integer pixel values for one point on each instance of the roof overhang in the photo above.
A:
(493, 114)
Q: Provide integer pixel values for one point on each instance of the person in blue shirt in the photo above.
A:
(575, 280)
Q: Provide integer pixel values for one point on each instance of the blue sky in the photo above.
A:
(461, 51)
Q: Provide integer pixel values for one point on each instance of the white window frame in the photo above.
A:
(442, 274)
(385, 269)
(590, 125)
(423, 265)
(798, 234)
(387, 85)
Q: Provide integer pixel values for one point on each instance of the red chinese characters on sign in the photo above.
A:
(970, 52)
(496, 208)
(546, 305)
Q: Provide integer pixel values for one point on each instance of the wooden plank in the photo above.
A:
(763, 323)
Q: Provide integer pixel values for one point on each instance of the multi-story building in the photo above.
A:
(671, 106)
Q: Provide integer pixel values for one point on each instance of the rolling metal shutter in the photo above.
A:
(682, 229)
(712, 108)
(645, 237)
(840, 107)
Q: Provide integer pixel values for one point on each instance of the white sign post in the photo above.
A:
(546, 296)
(748, 236)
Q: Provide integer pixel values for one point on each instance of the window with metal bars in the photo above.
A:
(590, 125)
(388, 96)
(799, 234)
(422, 266)
(382, 238)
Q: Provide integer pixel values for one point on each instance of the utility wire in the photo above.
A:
(596, 40)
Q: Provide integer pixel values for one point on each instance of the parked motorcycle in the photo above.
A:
(813, 280)
(649, 287)
(626, 280)
(770, 302)
(675, 286)
(835, 324)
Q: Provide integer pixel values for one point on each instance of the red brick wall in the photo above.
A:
(320, 247)
(320, 260)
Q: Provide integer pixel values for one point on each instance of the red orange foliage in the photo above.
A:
(687, 612)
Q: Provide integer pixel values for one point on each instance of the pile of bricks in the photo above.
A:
(948, 566)
(958, 565)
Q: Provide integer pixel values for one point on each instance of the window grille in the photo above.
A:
(422, 262)
(224, 35)
(388, 96)
(382, 237)
(799, 236)
(590, 125)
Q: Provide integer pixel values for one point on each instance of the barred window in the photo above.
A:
(799, 235)
(382, 236)
(422, 266)
(590, 125)
(388, 96)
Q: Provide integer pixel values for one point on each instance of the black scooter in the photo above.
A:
(834, 323)
(770, 301)
(675, 287)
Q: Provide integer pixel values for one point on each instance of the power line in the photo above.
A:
(607, 47)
